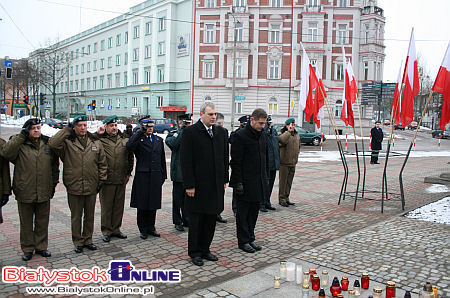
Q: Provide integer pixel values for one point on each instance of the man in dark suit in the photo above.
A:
(204, 165)
(149, 176)
(377, 138)
(249, 177)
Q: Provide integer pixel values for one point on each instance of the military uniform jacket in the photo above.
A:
(84, 167)
(5, 179)
(289, 147)
(120, 160)
(36, 168)
(173, 141)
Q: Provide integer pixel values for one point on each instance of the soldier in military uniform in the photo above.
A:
(120, 165)
(173, 141)
(33, 186)
(5, 181)
(85, 170)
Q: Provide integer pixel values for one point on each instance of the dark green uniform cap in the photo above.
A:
(110, 119)
(79, 118)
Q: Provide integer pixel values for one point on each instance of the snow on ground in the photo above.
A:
(349, 137)
(438, 212)
(437, 188)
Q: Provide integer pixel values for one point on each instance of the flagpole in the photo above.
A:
(362, 144)
(357, 164)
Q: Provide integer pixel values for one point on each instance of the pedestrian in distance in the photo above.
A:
(173, 141)
(289, 141)
(377, 138)
(274, 162)
(249, 177)
(204, 164)
(120, 162)
(149, 177)
(33, 186)
(219, 122)
(84, 173)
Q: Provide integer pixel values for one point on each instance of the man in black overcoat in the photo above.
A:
(377, 138)
(149, 176)
(204, 165)
(249, 177)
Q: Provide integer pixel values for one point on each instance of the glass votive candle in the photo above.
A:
(290, 271)
(305, 290)
(324, 279)
(377, 292)
(277, 282)
(283, 269)
(306, 278)
(299, 274)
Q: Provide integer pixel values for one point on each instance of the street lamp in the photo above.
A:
(233, 89)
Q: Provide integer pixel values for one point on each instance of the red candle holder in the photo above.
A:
(365, 281)
(390, 289)
(315, 282)
(335, 288)
(312, 271)
(344, 283)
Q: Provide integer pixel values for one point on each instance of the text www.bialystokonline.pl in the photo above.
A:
(90, 290)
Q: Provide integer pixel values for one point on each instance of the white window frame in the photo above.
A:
(94, 68)
(125, 37)
(102, 105)
(339, 72)
(118, 60)
(147, 75)
(238, 31)
(117, 102)
(275, 3)
(159, 101)
(366, 33)
(210, 33)
(148, 51)
(148, 28)
(110, 102)
(160, 74)
(239, 3)
(162, 24)
(343, 3)
(342, 34)
(109, 81)
(274, 69)
(102, 63)
(136, 54)
(88, 67)
(135, 77)
(109, 61)
(161, 48)
(208, 69)
(238, 106)
(117, 78)
(313, 31)
(135, 101)
(210, 3)
(102, 45)
(313, 3)
(118, 37)
(125, 58)
(136, 31)
(110, 42)
(366, 71)
(94, 83)
(239, 68)
(272, 106)
(275, 33)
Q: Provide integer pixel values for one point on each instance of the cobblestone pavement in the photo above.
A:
(315, 230)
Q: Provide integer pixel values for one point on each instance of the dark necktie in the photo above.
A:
(210, 132)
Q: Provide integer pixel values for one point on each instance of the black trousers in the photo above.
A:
(201, 233)
(146, 220)
(246, 217)
(272, 176)
(234, 203)
(374, 155)
(179, 215)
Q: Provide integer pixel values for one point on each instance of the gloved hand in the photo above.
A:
(144, 128)
(239, 189)
(99, 186)
(25, 132)
(5, 200)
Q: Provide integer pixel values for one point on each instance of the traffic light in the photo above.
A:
(41, 98)
(25, 99)
(9, 73)
(93, 104)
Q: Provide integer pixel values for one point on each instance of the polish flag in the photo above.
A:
(351, 89)
(308, 83)
(319, 101)
(348, 94)
(395, 103)
(411, 81)
(442, 85)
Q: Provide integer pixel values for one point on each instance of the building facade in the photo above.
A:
(135, 64)
(265, 36)
(14, 90)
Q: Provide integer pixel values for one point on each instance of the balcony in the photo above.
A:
(373, 10)
(238, 9)
(313, 8)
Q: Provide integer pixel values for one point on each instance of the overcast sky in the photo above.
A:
(39, 21)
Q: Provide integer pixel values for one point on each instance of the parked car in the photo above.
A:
(412, 125)
(386, 122)
(400, 127)
(306, 137)
(52, 122)
(440, 133)
(164, 125)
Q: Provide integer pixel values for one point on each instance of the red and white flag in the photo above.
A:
(319, 101)
(351, 89)
(348, 94)
(395, 102)
(308, 83)
(411, 81)
(442, 85)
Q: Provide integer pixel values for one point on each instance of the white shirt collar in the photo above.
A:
(205, 125)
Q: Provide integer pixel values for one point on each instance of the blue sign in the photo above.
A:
(239, 98)
(4, 107)
(109, 107)
(48, 104)
(8, 63)
(89, 108)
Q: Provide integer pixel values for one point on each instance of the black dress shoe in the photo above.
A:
(45, 253)
(197, 261)
(179, 228)
(120, 236)
(27, 256)
(271, 208)
(247, 248)
(263, 209)
(78, 249)
(143, 236)
(210, 257)
(220, 219)
(106, 238)
(91, 246)
(290, 203)
(284, 204)
(154, 234)
(255, 246)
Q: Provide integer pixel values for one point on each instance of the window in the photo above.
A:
(379, 71)
(102, 63)
(76, 85)
(76, 69)
(342, 3)
(380, 34)
(148, 28)
(376, 32)
(94, 83)
(102, 81)
(275, 3)
(338, 108)
(109, 81)
(147, 75)
(88, 84)
(274, 33)
(366, 33)
(209, 33)
(366, 71)
(125, 79)
(102, 45)
(109, 102)
(273, 106)
(88, 66)
(118, 60)
(160, 73)
(95, 65)
(76, 53)
(135, 77)
(135, 101)
(313, 32)
(136, 54)
(102, 105)
(82, 51)
(342, 37)
(88, 49)
(238, 107)
(71, 70)
(148, 51)
(118, 37)
(161, 48)
(159, 101)
(162, 24)
(208, 71)
(210, 3)
(239, 3)
(125, 59)
(82, 85)
(313, 3)
(274, 69)
(239, 73)
(136, 31)
(71, 86)
(126, 37)
(117, 102)
(208, 98)
(82, 68)
(110, 42)
(339, 71)
(117, 80)
(95, 47)
(238, 31)
(109, 62)
(314, 64)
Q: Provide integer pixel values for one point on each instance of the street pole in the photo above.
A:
(233, 89)
(380, 97)
(68, 98)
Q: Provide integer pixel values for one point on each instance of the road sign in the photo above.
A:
(48, 104)
(89, 108)
(109, 107)
(8, 63)
(4, 107)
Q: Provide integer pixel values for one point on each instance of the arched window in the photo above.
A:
(273, 106)
(338, 108)
(208, 98)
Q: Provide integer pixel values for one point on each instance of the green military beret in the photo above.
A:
(79, 118)
(110, 119)
(289, 121)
